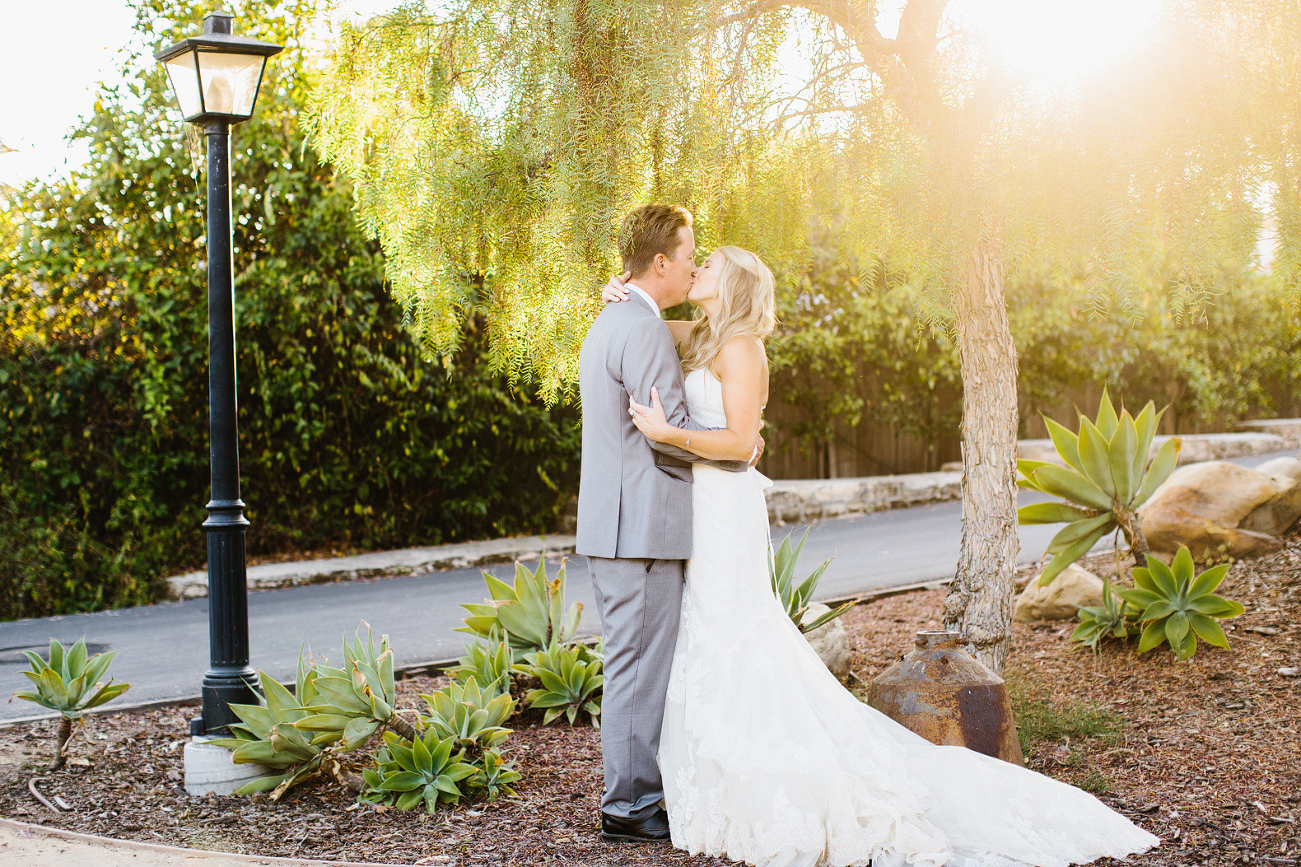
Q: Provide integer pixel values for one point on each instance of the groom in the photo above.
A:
(634, 512)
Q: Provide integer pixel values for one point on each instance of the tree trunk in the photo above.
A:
(979, 604)
(65, 732)
(1132, 525)
(403, 727)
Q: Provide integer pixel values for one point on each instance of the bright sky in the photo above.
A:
(53, 55)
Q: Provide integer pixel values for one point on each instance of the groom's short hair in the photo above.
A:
(649, 231)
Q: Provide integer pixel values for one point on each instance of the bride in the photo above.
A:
(765, 757)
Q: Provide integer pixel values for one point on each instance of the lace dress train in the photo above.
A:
(767, 759)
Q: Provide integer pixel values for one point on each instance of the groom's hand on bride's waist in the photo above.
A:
(758, 451)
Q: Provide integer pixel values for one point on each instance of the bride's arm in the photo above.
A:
(681, 331)
(743, 370)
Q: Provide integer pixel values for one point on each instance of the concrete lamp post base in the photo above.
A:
(208, 768)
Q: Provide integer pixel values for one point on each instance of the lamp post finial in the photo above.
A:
(218, 22)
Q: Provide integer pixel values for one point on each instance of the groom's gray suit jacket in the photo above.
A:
(634, 495)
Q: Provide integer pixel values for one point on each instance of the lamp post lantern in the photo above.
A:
(216, 77)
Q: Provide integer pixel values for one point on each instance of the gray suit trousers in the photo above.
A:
(639, 602)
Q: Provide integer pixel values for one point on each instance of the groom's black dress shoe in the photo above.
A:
(652, 829)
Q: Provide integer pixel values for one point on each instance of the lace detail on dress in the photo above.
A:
(768, 760)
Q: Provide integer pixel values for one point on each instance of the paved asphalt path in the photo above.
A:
(164, 648)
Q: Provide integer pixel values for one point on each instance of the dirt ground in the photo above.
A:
(1204, 754)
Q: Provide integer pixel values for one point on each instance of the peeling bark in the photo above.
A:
(979, 604)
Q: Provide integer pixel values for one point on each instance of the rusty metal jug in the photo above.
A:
(949, 697)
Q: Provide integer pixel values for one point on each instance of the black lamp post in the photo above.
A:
(216, 78)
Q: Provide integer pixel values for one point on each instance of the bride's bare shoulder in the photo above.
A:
(741, 356)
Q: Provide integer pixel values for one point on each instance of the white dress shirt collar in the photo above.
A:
(642, 293)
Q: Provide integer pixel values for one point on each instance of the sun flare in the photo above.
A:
(1064, 38)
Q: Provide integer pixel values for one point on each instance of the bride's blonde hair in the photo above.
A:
(745, 306)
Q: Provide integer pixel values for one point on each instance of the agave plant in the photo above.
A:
(471, 717)
(1106, 479)
(1111, 618)
(1178, 607)
(358, 700)
(428, 771)
(487, 663)
(531, 614)
(267, 734)
(492, 776)
(794, 594)
(69, 683)
(571, 681)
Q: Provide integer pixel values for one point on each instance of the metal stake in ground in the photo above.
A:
(216, 77)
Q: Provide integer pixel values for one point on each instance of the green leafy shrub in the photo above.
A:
(459, 753)
(855, 344)
(1110, 619)
(350, 437)
(70, 684)
(1107, 478)
(493, 776)
(1178, 606)
(471, 717)
(455, 751)
(487, 663)
(427, 771)
(571, 682)
(267, 734)
(531, 614)
(795, 595)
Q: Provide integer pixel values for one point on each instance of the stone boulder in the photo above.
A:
(830, 641)
(1282, 510)
(1218, 508)
(1072, 589)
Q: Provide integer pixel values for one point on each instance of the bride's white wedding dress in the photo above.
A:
(767, 759)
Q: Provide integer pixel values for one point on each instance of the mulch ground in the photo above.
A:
(1205, 754)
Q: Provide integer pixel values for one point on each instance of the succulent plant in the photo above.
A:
(471, 717)
(492, 776)
(531, 614)
(487, 662)
(794, 594)
(428, 771)
(266, 734)
(571, 681)
(1106, 479)
(69, 683)
(1100, 621)
(1178, 607)
(358, 700)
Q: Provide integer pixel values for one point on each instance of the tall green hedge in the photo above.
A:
(852, 346)
(347, 437)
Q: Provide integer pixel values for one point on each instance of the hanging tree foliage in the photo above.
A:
(495, 145)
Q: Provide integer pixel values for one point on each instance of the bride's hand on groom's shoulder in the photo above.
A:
(615, 290)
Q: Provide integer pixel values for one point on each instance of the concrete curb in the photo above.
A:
(789, 501)
(1193, 448)
(382, 564)
(800, 500)
(1287, 428)
(132, 848)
